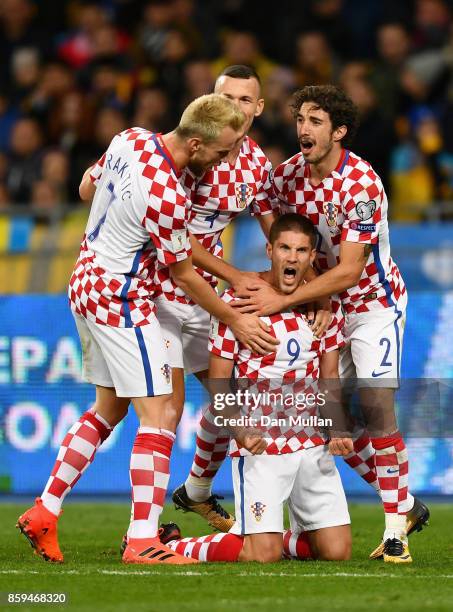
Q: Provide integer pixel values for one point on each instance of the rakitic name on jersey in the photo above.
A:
(268, 421)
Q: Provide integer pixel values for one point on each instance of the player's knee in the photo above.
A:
(174, 407)
(267, 552)
(113, 420)
(335, 551)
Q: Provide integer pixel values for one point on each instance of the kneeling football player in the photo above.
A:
(279, 451)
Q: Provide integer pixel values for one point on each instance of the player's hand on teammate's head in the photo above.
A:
(252, 440)
(341, 446)
(254, 334)
(262, 300)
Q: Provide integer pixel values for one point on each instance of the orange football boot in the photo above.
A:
(39, 526)
(152, 551)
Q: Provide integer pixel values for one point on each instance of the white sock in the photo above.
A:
(198, 489)
(395, 526)
(410, 502)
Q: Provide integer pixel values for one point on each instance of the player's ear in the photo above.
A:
(312, 256)
(259, 107)
(340, 133)
(269, 250)
(194, 144)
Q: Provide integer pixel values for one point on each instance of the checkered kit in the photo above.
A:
(348, 205)
(216, 198)
(128, 238)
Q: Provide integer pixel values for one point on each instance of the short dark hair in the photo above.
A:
(333, 101)
(240, 71)
(293, 222)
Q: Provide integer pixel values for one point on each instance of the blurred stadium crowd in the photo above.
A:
(74, 72)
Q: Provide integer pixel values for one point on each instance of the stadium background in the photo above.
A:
(74, 73)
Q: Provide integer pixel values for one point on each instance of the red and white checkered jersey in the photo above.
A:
(349, 205)
(292, 371)
(220, 195)
(137, 223)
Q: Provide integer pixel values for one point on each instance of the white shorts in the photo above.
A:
(133, 360)
(185, 328)
(374, 342)
(307, 478)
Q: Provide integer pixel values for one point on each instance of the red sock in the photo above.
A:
(211, 446)
(149, 473)
(296, 545)
(213, 547)
(362, 460)
(76, 453)
(392, 469)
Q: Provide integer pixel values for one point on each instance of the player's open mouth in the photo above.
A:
(289, 274)
(306, 146)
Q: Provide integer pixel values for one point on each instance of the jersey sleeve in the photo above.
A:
(96, 170)
(265, 201)
(362, 206)
(166, 221)
(221, 339)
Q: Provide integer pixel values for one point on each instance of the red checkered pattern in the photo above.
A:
(212, 442)
(96, 171)
(296, 545)
(333, 338)
(137, 224)
(362, 460)
(219, 196)
(76, 453)
(211, 446)
(149, 473)
(213, 547)
(348, 205)
(272, 373)
(392, 468)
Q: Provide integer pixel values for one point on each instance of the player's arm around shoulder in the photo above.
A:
(353, 257)
(249, 329)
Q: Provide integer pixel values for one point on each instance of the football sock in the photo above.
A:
(211, 449)
(149, 474)
(213, 547)
(198, 489)
(296, 545)
(362, 460)
(392, 468)
(76, 453)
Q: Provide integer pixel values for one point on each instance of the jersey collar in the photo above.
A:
(342, 161)
(339, 168)
(157, 139)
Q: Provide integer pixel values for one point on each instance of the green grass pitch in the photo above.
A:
(95, 579)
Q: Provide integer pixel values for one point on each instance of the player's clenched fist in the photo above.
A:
(252, 440)
(341, 446)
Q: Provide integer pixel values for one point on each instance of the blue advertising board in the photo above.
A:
(42, 394)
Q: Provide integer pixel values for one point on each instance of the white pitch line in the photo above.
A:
(241, 574)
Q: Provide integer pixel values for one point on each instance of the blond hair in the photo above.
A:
(207, 116)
